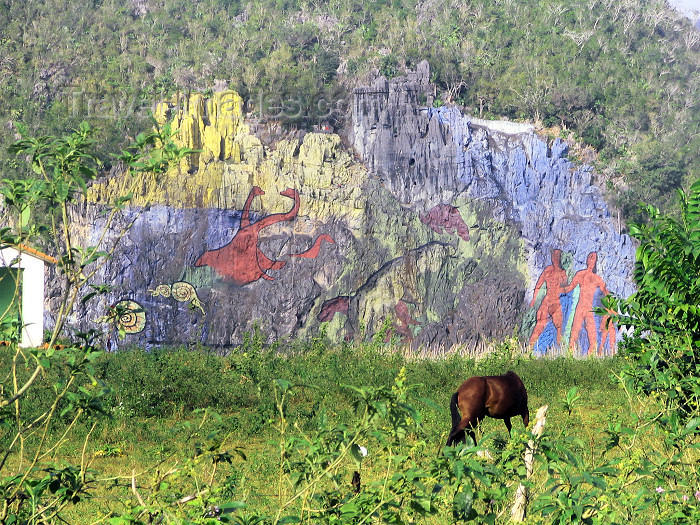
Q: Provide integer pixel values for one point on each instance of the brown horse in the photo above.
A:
(500, 397)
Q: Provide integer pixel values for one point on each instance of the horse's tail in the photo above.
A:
(454, 410)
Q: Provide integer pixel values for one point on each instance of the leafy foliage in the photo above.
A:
(397, 477)
(619, 75)
(61, 169)
(664, 312)
(298, 465)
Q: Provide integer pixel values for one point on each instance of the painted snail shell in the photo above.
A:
(161, 289)
(131, 316)
(183, 291)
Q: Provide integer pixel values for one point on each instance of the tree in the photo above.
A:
(61, 169)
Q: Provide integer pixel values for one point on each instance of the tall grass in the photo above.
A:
(172, 382)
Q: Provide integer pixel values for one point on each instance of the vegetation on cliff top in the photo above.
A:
(621, 75)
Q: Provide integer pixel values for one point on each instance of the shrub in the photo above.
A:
(664, 314)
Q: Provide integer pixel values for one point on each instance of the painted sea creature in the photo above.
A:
(241, 261)
(180, 291)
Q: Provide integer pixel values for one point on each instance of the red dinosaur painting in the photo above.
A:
(333, 306)
(444, 217)
(241, 261)
(312, 252)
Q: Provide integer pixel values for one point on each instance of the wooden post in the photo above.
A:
(518, 511)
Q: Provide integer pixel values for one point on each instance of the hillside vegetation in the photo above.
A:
(620, 76)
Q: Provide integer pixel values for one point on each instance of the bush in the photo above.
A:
(664, 314)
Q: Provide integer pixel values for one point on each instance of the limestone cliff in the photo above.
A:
(437, 233)
(426, 156)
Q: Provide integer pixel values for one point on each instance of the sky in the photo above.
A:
(687, 5)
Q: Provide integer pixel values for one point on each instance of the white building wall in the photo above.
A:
(33, 278)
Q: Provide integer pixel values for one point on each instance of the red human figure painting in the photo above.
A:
(241, 261)
(554, 276)
(589, 282)
(609, 332)
(444, 217)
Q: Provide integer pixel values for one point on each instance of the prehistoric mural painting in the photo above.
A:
(129, 316)
(241, 261)
(446, 218)
(436, 256)
(402, 326)
(181, 291)
(312, 252)
(588, 282)
(565, 309)
(337, 305)
(405, 325)
(553, 278)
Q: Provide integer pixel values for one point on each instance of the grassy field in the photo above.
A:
(188, 431)
(158, 446)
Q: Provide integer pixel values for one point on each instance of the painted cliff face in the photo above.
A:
(446, 218)
(241, 261)
(433, 236)
(564, 310)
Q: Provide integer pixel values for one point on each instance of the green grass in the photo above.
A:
(155, 419)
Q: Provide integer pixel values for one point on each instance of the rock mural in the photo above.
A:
(241, 261)
(552, 280)
(128, 316)
(444, 217)
(431, 157)
(180, 291)
(446, 229)
(576, 298)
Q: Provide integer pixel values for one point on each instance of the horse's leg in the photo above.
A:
(455, 436)
(508, 425)
(468, 426)
(459, 434)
